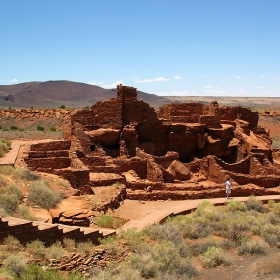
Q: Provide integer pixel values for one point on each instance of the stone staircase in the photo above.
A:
(26, 231)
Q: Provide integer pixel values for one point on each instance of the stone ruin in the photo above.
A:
(183, 151)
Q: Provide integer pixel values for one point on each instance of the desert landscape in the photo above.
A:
(127, 159)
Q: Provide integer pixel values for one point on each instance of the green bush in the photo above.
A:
(85, 247)
(3, 181)
(253, 247)
(111, 243)
(37, 249)
(69, 244)
(7, 169)
(104, 221)
(166, 231)
(41, 194)
(55, 251)
(253, 204)
(213, 257)
(53, 129)
(235, 206)
(40, 128)
(133, 238)
(13, 127)
(15, 264)
(9, 202)
(5, 146)
(12, 245)
(35, 272)
(62, 107)
(24, 212)
(25, 174)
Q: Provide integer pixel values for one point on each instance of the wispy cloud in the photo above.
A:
(159, 79)
(208, 87)
(259, 87)
(176, 93)
(113, 85)
(95, 83)
(262, 76)
(14, 81)
(177, 78)
(237, 77)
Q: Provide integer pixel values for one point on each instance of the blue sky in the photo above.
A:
(164, 47)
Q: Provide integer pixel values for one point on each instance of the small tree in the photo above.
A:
(40, 128)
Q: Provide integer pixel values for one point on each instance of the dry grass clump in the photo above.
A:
(213, 257)
(25, 174)
(253, 247)
(40, 193)
(5, 146)
(10, 197)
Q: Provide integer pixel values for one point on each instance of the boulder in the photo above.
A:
(179, 171)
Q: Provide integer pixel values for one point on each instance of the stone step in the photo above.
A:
(26, 231)
(105, 179)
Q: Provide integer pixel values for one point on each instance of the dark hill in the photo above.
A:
(57, 93)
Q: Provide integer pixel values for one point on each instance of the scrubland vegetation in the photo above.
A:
(178, 249)
(12, 201)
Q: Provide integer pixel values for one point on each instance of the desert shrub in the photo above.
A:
(15, 264)
(12, 245)
(36, 248)
(227, 244)
(35, 272)
(53, 129)
(6, 169)
(5, 146)
(213, 257)
(235, 227)
(201, 248)
(253, 247)
(9, 202)
(55, 251)
(13, 127)
(111, 243)
(25, 174)
(133, 238)
(166, 231)
(235, 206)
(162, 258)
(69, 244)
(24, 212)
(62, 107)
(12, 189)
(271, 239)
(273, 218)
(104, 221)
(40, 128)
(41, 194)
(184, 249)
(85, 247)
(5, 129)
(253, 204)
(274, 207)
(200, 228)
(20, 129)
(3, 181)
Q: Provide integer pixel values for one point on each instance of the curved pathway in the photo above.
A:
(183, 207)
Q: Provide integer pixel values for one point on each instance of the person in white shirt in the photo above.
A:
(228, 190)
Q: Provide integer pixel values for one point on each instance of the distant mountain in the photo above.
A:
(57, 93)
